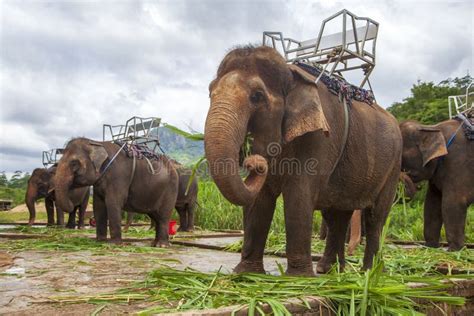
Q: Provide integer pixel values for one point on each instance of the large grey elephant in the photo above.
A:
(185, 202)
(120, 183)
(450, 175)
(298, 151)
(41, 185)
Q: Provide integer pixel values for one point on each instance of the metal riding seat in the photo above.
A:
(136, 130)
(52, 156)
(461, 107)
(350, 49)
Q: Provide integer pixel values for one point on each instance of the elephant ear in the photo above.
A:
(98, 155)
(303, 110)
(432, 144)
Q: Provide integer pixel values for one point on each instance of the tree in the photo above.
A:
(428, 102)
(3, 179)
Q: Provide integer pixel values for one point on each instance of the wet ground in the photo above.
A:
(31, 279)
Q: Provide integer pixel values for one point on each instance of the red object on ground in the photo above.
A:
(92, 222)
(172, 228)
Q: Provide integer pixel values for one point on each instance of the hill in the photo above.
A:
(180, 148)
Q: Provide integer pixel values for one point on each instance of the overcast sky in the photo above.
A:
(67, 68)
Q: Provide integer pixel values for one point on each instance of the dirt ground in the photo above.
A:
(39, 276)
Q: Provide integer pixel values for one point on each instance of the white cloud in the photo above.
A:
(67, 68)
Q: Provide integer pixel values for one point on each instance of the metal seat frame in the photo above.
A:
(52, 156)
(136, 130)
(333, 49)
(460, 103)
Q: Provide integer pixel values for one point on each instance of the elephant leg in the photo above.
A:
(114, 216)
(183, 218)
(190, 211)
(375, 218)
(100, 214)
(454, 218)
(59, 218)
(257, 220)
(299, 227)
(161, 228)
(49, 204)
(323, 231)
(355, 236)
(82, 214)
(71, 222)
(433, 219)
(130, 216)
(337, 222)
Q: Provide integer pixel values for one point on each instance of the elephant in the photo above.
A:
(355, 231)
(185, 203)
(299, 150)
(41, 185)
(449, 172)
(121, 182)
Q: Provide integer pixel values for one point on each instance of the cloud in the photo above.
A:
(67, 68)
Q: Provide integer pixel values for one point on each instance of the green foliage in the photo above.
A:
(215, 212)
(428, 102)
(15, 188)
(182, 146)
(373, 292)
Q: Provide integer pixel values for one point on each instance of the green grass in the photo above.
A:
(10, 217)
(57, 239)
(215, 212)
(370, 293)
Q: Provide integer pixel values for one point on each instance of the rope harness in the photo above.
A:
(346, 93)
(134, 151)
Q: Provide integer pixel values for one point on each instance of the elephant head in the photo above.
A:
(78, 167)
(39, 185)
(256, 92)
(422, 144)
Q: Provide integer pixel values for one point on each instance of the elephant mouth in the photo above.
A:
(246, 149)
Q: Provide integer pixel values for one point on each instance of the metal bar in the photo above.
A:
(355, 35)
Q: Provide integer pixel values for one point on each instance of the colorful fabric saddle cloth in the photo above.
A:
(339, 86)
(468, 123)
(139, 151)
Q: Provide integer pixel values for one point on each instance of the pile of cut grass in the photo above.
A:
(370, 293)
(55, 239)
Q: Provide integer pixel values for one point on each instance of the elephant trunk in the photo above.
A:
(30, 199)
(225, 131)
(63, 181)
(410, 187)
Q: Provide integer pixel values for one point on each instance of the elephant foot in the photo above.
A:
(455, 247)
(71, 226)
(50, 225)
(101, 239)
(116, 241)
(185, 229)
(300, 266)
(249, 267)
(432, 244)
(308, 272)
(324, 266)
(31, 222)
(81, 227)
(160, 244)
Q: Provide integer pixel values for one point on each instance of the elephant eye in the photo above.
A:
(257, 97)
(74, 165)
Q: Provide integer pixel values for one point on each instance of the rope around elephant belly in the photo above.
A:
(345, 135)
